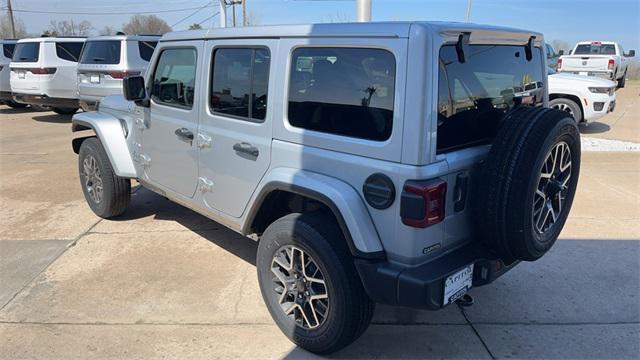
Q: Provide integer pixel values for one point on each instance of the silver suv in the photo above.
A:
(106, 60)
(396, 163)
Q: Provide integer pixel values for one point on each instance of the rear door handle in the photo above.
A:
(184, 134)
(246, 148)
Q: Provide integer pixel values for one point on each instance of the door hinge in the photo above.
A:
(205, 184)
(142, 159)
(140, 123)
(204, 141)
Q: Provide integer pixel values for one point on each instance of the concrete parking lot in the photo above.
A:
(165, 282)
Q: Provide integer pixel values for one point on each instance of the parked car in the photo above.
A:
(43, 72)
(604, 59)
(106, 60)
(553, 56)
(585, 98)
(7, 46)
(375, 162)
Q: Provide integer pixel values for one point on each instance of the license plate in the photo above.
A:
(21, 74)
(458, 284)
(584, 73)
(95, 79)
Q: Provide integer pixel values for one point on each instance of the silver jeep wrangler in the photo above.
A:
(396, 163)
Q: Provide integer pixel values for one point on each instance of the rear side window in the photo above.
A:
(101, 52)
(595, 49)
(474, 95)
(343, 91)
(7, 50)
(174, 78)
(26, 52)
(69, 51)
(240, 82)
(146, 49)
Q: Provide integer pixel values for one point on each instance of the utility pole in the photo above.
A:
(244, 12)
(468, 17)
(13, 25)
(223, 13)
(233, 12)
(363, 10)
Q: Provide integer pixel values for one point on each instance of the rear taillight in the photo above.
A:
(611, 64)
(43, 71)
(123, 74)
(422, 203)
(559, 64)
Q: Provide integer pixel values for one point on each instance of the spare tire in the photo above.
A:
(528, 182)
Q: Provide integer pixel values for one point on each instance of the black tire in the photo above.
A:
(623, 81)
(64, 111)
(350, 309)
(116, 191)
(512, 174)
(40, 107)
(15, 105)
(569, 106)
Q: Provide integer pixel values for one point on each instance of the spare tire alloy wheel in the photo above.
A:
(300, 287)
(92, 179)
(552, 187)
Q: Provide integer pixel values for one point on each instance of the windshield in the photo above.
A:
(26, 52)
(595, 49)
(101, 52)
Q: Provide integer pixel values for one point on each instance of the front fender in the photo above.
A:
(109, 131)
(343, 200)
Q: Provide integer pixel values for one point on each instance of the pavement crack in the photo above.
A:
(486, 347)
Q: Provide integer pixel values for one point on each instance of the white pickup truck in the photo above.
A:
(604, 59)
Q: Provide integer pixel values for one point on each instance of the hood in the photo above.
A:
(115, 102)
(581, 79)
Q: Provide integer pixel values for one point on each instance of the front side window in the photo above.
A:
(146, 49)
(343, 91)
(7, 50)
(474, 96)
(69, 51)
(26, 52)
(106, 52)
(595, 49)
(174, 78)
(240, 80)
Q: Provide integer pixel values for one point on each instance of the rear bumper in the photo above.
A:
(423, 286)
(45, 100)
(609, 75)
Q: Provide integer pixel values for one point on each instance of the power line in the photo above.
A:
(209, 18)
(193, 13)
(104, 13)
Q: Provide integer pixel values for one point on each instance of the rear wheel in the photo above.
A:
(64, 111)
(569, 106)
(15, 105)
(622, 81)
(40, 107)
(309, 282)
(528, 183)
(107, 194)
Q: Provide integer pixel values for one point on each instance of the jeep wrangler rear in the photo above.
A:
(397, 163)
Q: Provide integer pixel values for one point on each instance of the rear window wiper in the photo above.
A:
(98, 59)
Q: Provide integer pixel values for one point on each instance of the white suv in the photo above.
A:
(43, 72)
(398, 163)
(6, 53)
(106, 60)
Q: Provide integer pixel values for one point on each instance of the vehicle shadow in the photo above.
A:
(11, 111)
(53, 118)
(594, 128)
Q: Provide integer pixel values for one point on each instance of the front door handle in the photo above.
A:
(246, 148)
(184, 134)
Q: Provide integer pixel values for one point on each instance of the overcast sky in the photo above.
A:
(568, 20)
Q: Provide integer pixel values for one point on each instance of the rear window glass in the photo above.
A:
(595, 49)
(69, 51)
(343, 91)
(475, 95)
(7, 50)
(101, 52)
(26, 52)
(146, 49)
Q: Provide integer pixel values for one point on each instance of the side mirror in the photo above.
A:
(133, 88)
(570, 52)
(631, 53)
(561, 52)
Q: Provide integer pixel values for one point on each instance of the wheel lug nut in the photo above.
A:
(306, 293)
(300, 296)
(304, 280)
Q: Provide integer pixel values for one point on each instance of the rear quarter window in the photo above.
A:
(69, 51)
(7, 50)
(474, 96)
(101, 52)
(146, 49)
(26, 52)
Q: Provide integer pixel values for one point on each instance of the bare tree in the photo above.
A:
(195, 26)
(70, 28)
(561, 45)
(5, 28)
(108, 30)
(252, 18)
(146, 24)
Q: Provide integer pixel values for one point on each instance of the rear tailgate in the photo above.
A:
(585, 63)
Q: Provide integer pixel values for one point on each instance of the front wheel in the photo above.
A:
(309, 282)
(569, 106)
(107, 194)
(622, 82)
(64, 111)
(15, 105)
